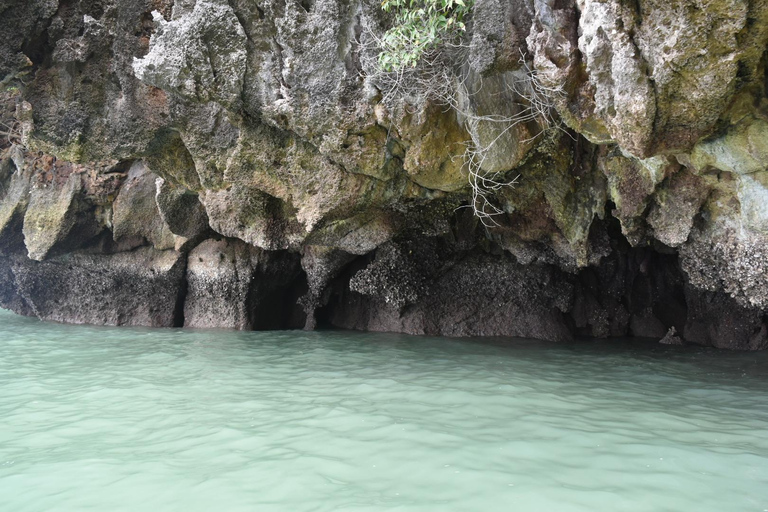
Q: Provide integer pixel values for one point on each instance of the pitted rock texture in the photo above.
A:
(138, 287)
(242, 165)
(231, 284)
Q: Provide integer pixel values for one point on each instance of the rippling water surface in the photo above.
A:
(165, 420)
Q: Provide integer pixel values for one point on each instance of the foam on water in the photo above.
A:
(166, 420)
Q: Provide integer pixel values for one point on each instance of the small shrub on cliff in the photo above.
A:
(423, 58)
(420, 26)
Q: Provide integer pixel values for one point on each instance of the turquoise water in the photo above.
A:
(165, 420)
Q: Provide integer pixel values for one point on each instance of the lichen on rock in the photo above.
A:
(224, 163)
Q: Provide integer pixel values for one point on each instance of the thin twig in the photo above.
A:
(441, 76)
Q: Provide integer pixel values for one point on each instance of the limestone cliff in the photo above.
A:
(230, 163)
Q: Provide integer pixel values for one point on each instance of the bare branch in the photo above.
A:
(442, 76)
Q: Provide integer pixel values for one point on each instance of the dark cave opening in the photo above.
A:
(273, 298)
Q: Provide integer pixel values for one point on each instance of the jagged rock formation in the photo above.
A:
(215, 163)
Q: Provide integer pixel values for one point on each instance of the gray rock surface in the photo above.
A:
(180, 210)
(257, 138)
(233, 285)
(219, 276)
(135, 213)
(140, 287)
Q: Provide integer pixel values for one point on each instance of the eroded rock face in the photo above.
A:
(233, 285)
(421, 288)
(199, 56)
(138, 287)
(238, 164)
(135, 213)
(181, 210)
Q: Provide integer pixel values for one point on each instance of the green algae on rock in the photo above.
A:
(256, 138)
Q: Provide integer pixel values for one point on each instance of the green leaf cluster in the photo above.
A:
(420, 26)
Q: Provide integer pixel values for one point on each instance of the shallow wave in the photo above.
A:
(138, 419)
